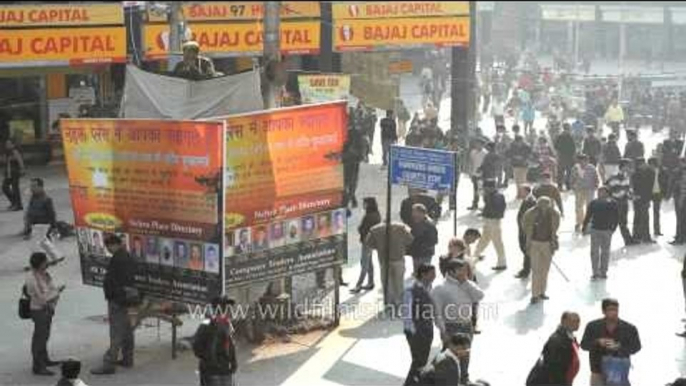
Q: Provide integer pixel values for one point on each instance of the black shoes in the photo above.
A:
(43, 372)
(499, 268)
(522, 275)
(125, 363)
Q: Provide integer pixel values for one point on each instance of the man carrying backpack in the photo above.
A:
(215, 348)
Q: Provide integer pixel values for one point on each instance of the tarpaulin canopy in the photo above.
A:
(154, 96)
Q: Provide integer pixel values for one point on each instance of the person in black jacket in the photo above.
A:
(494, 211)
(353, 150)
(214, 346)
(642, 183)
(660, 192)
(371, 218)
(389, 134)
(528, 203)
(592, 146)
(418, 196)
(560, 354)
(609, 336)
(41, 209)
(603, 215)
(566, 153)
(491, 165)
(610, 157)
(634, 148)
(14, 169)
(118, 287)
(418, 320)
(425, 237)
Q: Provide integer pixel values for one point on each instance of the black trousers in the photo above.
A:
(475, 185)
(657, 201)
(42, 323)
(351, 174)
(564, 175)
(623, 221)
(680, 211)
(641, 220)
(10, 186)
(420, 348)
(522, 247)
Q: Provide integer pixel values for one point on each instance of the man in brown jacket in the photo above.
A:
(392, 262)
(540, 225)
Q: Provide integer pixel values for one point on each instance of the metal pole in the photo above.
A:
(456, 175)
(174, 33)
(577, 31)
(272, 47)
(389, 187)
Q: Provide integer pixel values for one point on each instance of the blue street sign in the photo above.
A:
(423, 168)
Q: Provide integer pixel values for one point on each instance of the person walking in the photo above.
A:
(586, 181)
(620, 190)
(546, 188)
(528, 203)
(424, 237)
(560, 356)
(419, 196)
(494, 211)
(353, 154)
(540, 225)
(660, 192)
(614, 116)
(518, 155)
(119, 290)
(418, 320)
(476, 159)
(41, 213)
(214, 346)
(634, 148)
(389, 134)
(371, 218)
(642, 183)
(14, 169)
(403, 118)
(592, 146)
(391, 261)
(609, 339)
(44, 295)
(603, 217)
(610, 157)
(566, 150)
(502, 146)
(453, 300)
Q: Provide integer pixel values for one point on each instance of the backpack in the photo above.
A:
(24, 305)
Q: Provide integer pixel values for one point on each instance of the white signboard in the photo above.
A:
(561, 12)
(632, 14)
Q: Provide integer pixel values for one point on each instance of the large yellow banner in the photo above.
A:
(297, 37)
(69, 45)
(381, 10)
(60, 14)
(374, 34)
(240, 10)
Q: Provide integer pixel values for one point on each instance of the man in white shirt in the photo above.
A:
(476, 158)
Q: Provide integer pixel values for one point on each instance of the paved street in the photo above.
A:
(365, 350)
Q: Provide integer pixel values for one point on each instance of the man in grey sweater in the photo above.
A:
(453, 301)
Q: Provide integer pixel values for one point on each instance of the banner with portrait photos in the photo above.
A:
(157, 185)
(284, 192)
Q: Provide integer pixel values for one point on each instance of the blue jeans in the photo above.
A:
(366, 267)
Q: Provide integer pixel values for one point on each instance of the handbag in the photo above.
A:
(615, 370)
(24, 308)
(133, 296)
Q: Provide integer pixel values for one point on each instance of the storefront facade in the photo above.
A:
(57, 60)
